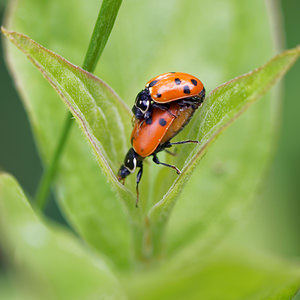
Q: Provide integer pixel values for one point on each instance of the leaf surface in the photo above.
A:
(45, 250)
(93, 97)
(223, 274)
(219, 110)
(220, 190)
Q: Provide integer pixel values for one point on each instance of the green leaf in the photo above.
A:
(82, 190)
(139, 49)
(100, 113)
(45, 251)
(9, 290)
(102, 29)
(214, 45)
(219, 110)
(223, 274)
(288, 293)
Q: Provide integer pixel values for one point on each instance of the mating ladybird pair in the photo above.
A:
(161, 111)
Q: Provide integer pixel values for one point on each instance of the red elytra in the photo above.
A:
(147, 138)
(169, 87)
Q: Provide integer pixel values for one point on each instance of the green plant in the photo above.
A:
(132, 252)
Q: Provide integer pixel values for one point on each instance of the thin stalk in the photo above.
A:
(104, 24)
(46, 180)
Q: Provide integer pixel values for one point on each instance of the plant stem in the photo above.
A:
(104, 24)
(46, 180)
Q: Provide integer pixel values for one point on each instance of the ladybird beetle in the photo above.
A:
(154, 135)
(166, 88)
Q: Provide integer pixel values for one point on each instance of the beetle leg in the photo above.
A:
(184, 142)
(138, 179)
(156, 160)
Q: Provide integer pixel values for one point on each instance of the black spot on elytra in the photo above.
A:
(149, 121)
(158, 95)
(153, 83)
(186, 89)
(172, 72)
(177, 81)
(194, 82)
(162, 122)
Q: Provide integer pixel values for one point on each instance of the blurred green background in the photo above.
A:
(272, 224)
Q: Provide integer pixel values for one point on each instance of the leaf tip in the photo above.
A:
(3, 30)
(6, 32)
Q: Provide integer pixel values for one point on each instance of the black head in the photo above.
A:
(129, 166)
(142, 103)
(123, 173)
